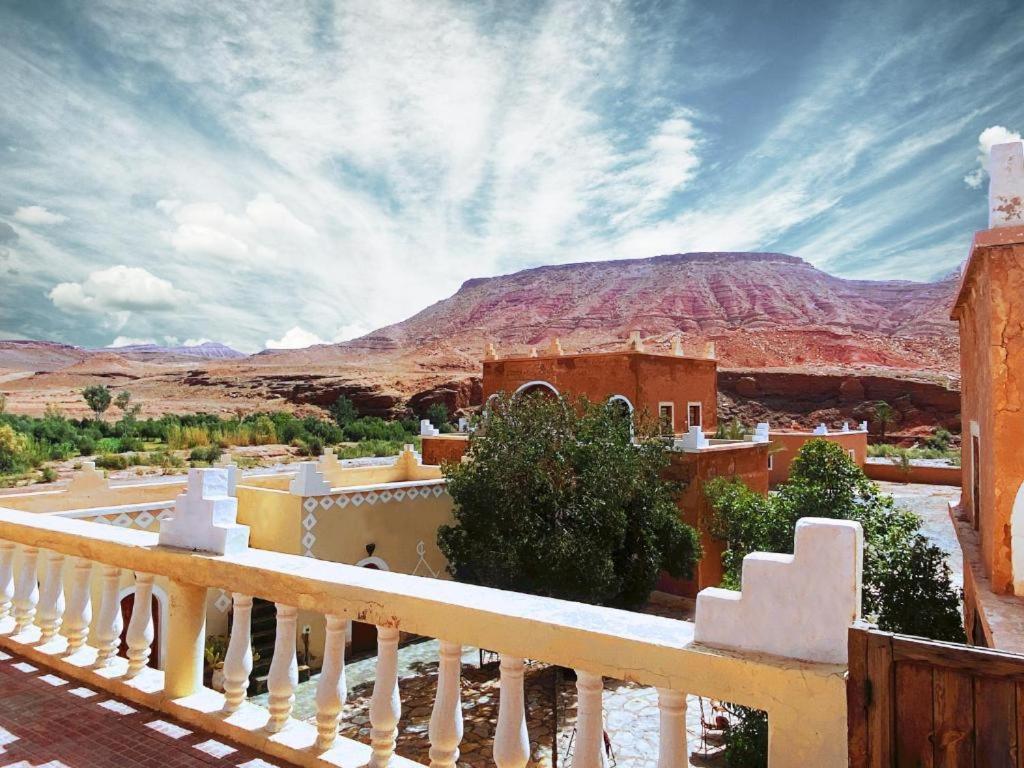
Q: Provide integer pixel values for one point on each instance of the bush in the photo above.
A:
(311, 446)
(343, 411)
(85, 445)
(208, 454)
(561, 499)
(48, 475)
(113, 461)
(438, 415)
(367, 448)
(375, 428)
(165, 459)
(13, 450)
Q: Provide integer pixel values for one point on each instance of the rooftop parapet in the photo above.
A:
(204, 516)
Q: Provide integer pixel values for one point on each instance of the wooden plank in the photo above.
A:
(995, 723)
(914, 714)
(954, 719)
(970, 659)
(1020, 725)
(881, 710)
(857, 698)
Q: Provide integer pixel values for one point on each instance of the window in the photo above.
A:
(666, 418)
(771, 462)
(853, 455)
(695, 415)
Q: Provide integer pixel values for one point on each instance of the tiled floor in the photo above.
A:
(48, 721)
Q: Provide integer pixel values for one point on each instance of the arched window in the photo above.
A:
(531, 387)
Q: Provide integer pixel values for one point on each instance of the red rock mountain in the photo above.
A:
(762, 309)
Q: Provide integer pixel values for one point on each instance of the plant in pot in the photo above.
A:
(214, 652)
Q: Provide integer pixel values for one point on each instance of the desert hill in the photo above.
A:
(763, 310)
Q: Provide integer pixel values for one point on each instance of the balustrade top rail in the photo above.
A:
(646, 649)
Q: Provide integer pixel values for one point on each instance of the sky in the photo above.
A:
(277, 174)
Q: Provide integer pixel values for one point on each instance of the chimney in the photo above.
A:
(1006, 185)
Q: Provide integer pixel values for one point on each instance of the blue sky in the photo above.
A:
(275, 174)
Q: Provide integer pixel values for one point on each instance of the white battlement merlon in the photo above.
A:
(821, 429)
(205, 516)
(427, 429)
(463, 424)
(694, 440)
(1006, 185)
(762, 432)
(309, 481)
(490, 352)
(677, 345)
(555, 348)
(846, 426)
(710, 352)
(635, 343)
(864, 426)
(799, 606)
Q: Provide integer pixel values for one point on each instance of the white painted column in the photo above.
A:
(511, 740)
(107, 635)
(139, 636)
(672, 748)
(283, 677)
(6, 577)
(446, 717)
(331, 690)
(385, 705)
(26, 590)
(589, 720)
(186, 638)
(51, 597)
(238, 659)
(79, 611)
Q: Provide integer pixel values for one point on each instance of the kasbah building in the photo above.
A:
(267, 561)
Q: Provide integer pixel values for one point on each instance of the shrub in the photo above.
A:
(438, 415)
(375, 428)
(13, 447)
(311, 446)
(113, 461)
(165, 459)
(85, 445)
(366, 448)
(208, 454)
(48, 475)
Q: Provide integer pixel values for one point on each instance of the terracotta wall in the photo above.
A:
(442, 448)
(990, 312)
(646, 380)
(891, 473)
(786, 445)
(745, 461)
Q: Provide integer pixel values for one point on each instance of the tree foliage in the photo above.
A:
(559, 499)
(343, 411)
(97, 397)
(907, 584)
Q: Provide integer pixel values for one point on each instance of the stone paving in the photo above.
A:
(48, 721)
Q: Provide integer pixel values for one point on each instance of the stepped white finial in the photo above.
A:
(1006, 185)
(309, 481)
(204, 516)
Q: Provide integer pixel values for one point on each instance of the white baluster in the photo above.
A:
(331, 690)
(589, 720)
(78, 615)
(283, 677)
(672, 739)
(51, 597)
(6, 577)
(139, 636)
(511, 740)
(238, 659)
(385, 705)
(107, 635)
(26, 590)
(446, 717)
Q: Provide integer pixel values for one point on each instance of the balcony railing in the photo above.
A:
(46, 566)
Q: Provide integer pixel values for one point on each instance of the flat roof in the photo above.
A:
(986, 238)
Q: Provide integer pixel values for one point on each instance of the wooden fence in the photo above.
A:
(915, 703)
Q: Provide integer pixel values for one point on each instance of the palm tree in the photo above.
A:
(884, 414)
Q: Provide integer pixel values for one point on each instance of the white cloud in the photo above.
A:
(995, 134)
(295, 338)
(195, 342)
(128, 341)
(350, 331)
(37, 214)
(119, 289)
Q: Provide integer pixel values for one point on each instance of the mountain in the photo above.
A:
(761, 309)
(208, 350)
(27, 355)
(777, 321)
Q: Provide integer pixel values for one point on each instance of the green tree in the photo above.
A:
(438, 415)
(122, 399)
(907, 584)
(3, 402)
(558, 500)
(97, 397)
(12, 449)
(884, 414)
(343, 411)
